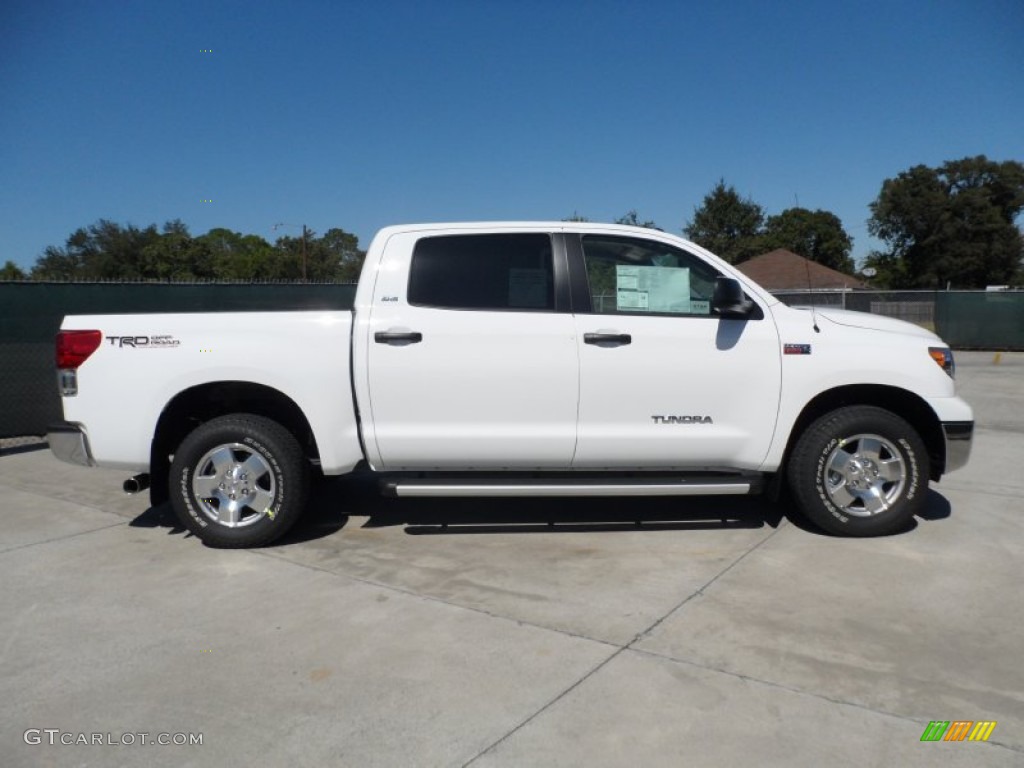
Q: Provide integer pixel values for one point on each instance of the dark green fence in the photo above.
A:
(31, 313)
(981, 319)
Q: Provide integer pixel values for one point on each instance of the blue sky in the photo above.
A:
(362, 114)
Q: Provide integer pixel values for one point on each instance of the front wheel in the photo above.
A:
(859, 471)
(239, 481)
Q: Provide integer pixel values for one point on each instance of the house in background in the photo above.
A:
(783, 270)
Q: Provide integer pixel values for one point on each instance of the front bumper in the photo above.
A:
(958, 435)
(69, 443)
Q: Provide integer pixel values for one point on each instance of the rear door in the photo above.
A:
(663, 382)
(472, 358)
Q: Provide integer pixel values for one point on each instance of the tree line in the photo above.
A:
(950, 226)
(107, 250)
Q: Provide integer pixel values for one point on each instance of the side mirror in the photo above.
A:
(728, 299)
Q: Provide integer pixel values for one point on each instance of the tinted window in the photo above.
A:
(511, 272)
(629, 275)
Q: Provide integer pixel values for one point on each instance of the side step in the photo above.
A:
(698, 485)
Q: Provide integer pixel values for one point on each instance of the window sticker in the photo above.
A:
(627, 282)
(632, 299)
(527, 287)
(653, 289)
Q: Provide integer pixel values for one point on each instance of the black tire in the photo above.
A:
(255, 479)
(859, 471)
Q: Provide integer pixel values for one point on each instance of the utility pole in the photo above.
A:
(303, 253)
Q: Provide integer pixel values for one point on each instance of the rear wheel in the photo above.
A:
(239, 481)
(859, 471)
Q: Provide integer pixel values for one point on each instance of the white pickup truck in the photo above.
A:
(518, 359)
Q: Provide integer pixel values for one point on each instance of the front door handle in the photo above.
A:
(606, 339)
(398, 337)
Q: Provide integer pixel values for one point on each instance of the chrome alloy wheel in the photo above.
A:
(865, 475)
(234, 485)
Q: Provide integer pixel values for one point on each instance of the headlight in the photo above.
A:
(944, 357)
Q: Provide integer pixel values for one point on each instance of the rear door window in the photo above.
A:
(511, 272)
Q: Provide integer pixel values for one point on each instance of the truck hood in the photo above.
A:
(874, 322)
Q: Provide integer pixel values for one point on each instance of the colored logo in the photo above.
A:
(958, 730)
(796, 349)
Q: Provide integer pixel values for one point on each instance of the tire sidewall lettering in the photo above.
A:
(913, 479)
(189, 499)
(819, 481)
(271, 459)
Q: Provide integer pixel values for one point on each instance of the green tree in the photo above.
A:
(342, 258)
(102, 251)
(815, 235)
(170, 257)
(333, 257)
(56, 263)
(227, 255)
(11, 271)
(952, 225)
(633, 220)
(727, 224)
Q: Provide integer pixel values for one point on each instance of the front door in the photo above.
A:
(663, 382)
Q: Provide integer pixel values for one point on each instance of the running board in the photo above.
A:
(661, 486)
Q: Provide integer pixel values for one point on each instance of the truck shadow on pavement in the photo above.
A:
(14, 447)
(335, 501)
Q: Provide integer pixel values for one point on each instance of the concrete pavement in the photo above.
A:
(567, 632)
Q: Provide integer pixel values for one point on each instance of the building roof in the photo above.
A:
(781, 270)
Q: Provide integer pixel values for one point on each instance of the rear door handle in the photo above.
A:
(398, 337)
(602, 338)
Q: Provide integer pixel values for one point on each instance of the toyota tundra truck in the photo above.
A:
(518, 359)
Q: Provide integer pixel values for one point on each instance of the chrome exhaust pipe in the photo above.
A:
(137, 483)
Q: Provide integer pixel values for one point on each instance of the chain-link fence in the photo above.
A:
(913, 306)
(965, 319)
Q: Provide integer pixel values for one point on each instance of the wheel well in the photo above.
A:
(904, 404)
(190, 408)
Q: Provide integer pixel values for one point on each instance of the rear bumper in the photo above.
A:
(959, 436)
(69, 443)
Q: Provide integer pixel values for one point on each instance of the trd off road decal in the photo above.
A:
(162, 341)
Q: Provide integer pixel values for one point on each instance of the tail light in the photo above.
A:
(73, 349)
